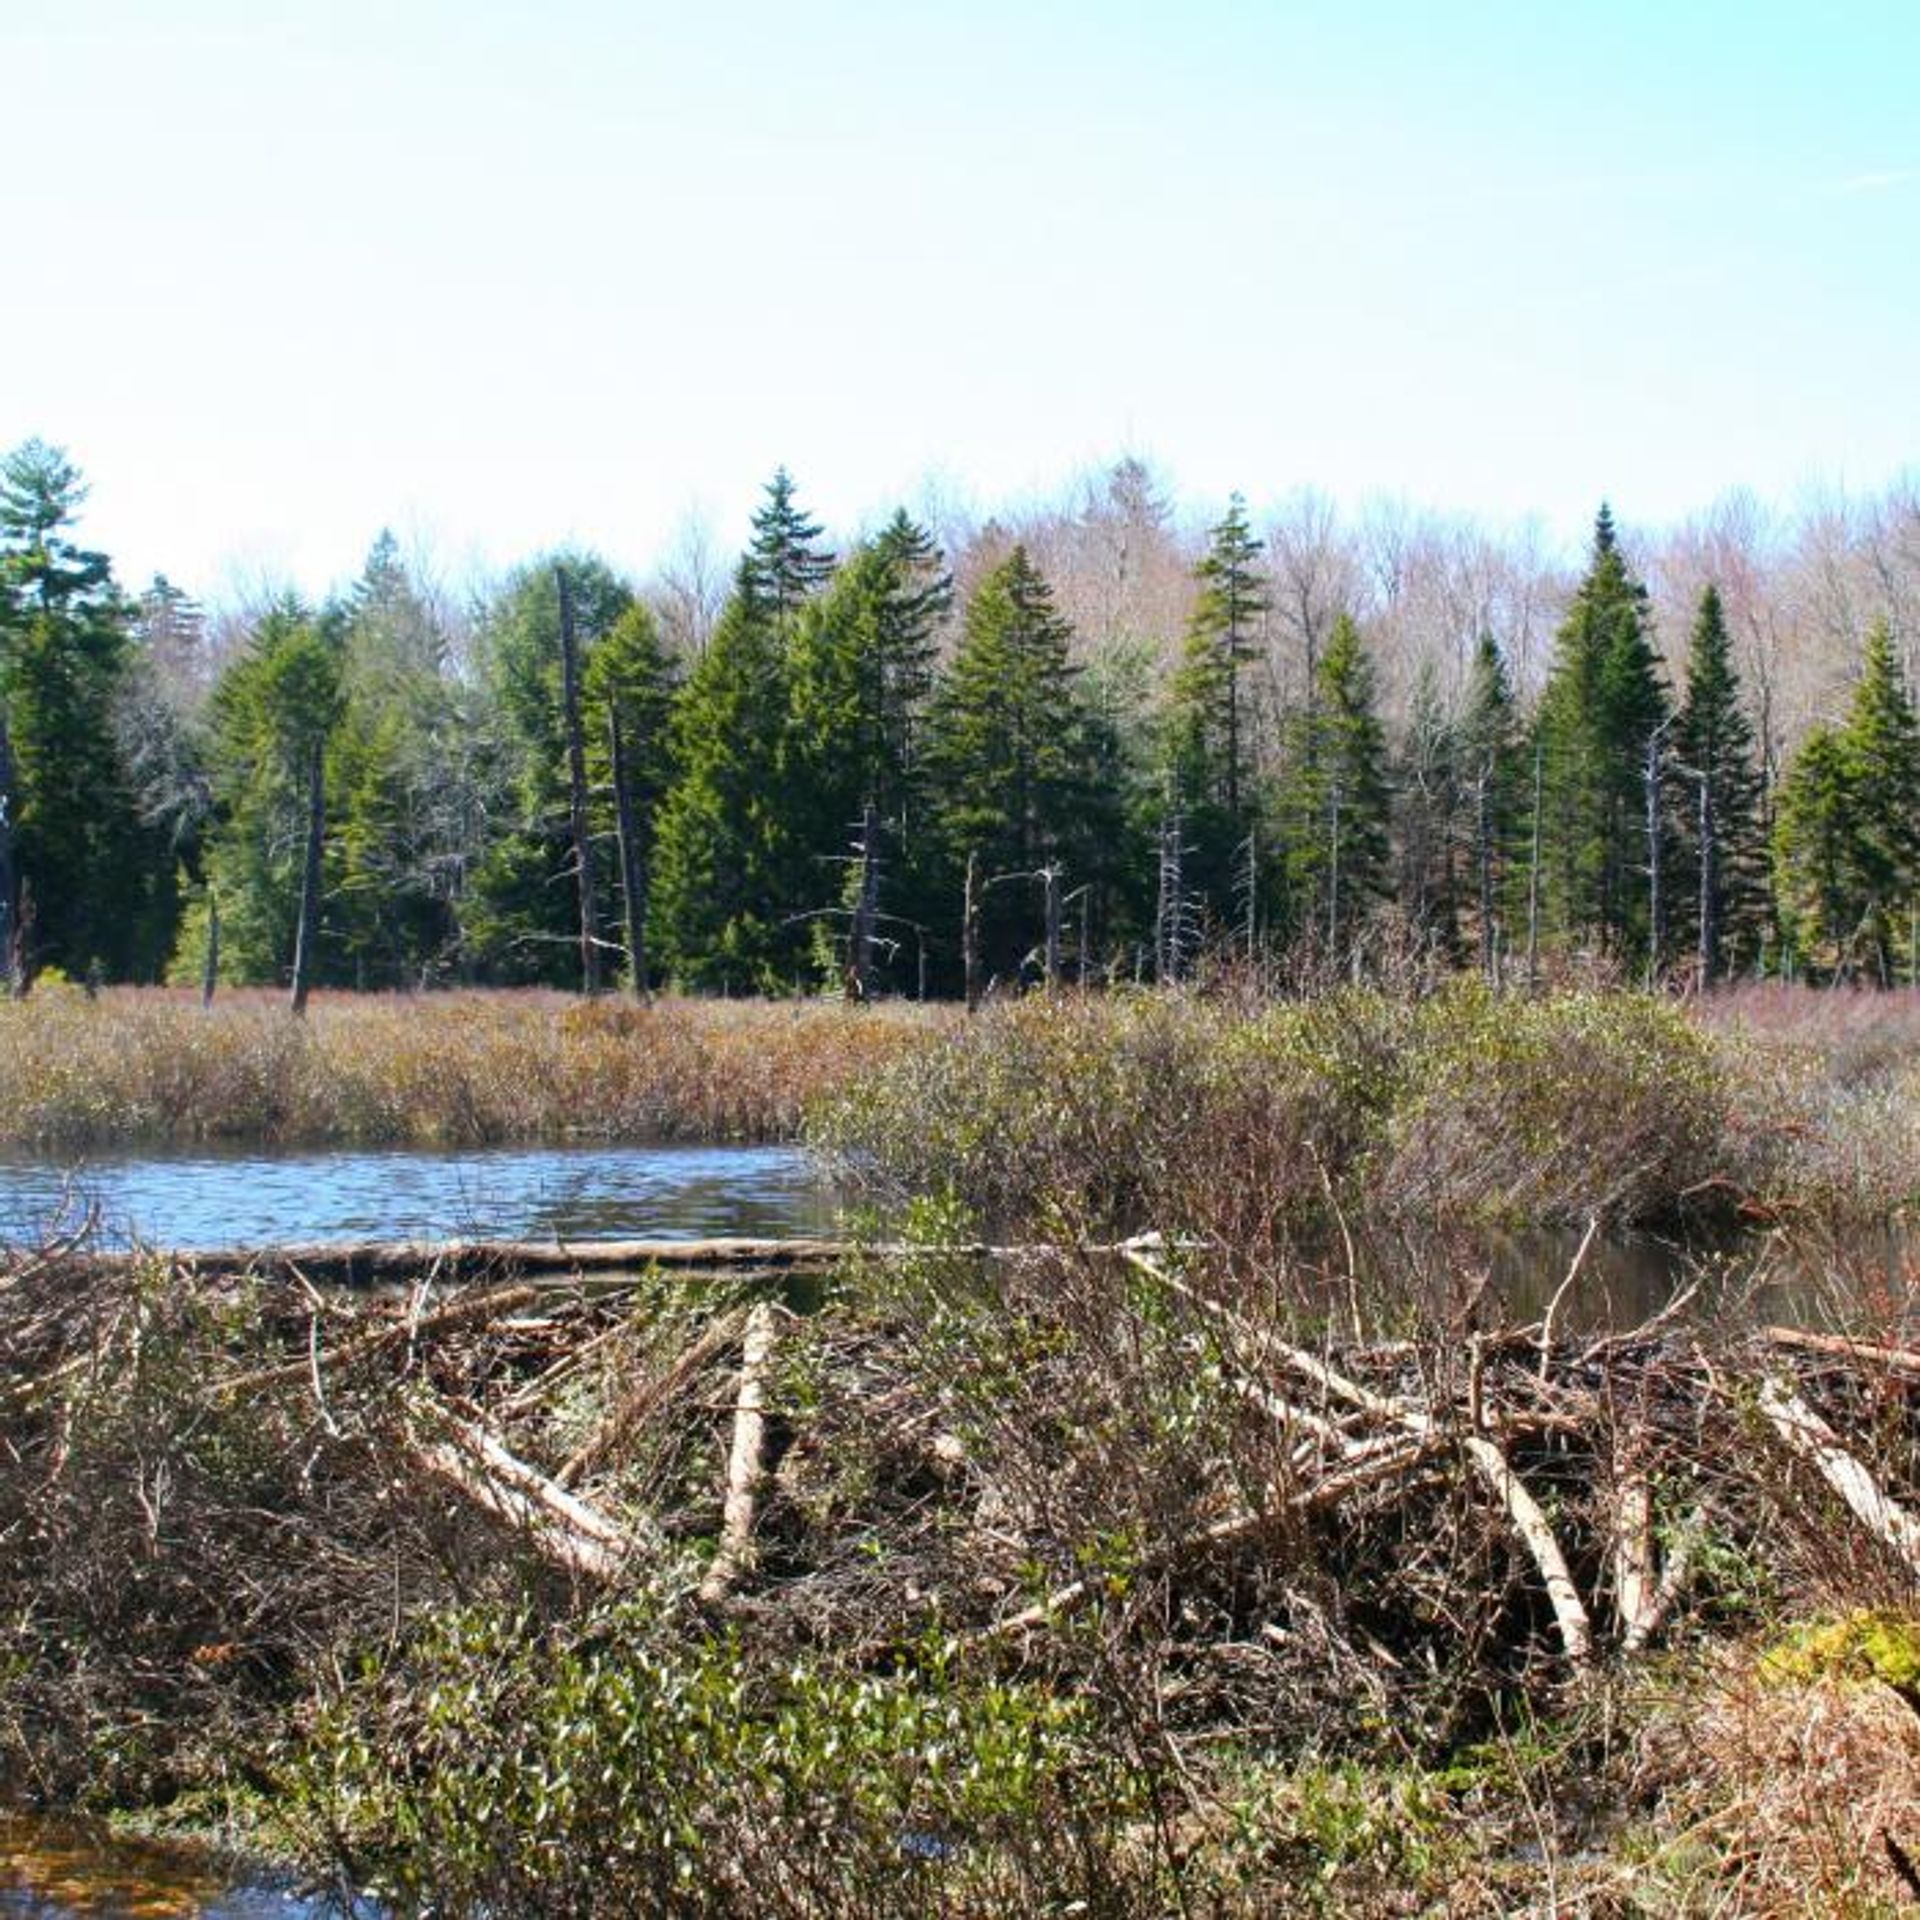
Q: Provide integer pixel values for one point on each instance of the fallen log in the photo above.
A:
(747, 1465)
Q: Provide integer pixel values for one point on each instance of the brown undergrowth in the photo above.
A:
(1115, 1580)
(151, 1066)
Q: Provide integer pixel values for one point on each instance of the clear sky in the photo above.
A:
(280, 271)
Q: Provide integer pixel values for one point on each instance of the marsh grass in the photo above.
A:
(142, 1066)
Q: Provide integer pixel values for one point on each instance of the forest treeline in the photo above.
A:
(1081, 745)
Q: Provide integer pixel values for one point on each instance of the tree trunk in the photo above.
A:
(970, 933)
(633, 876)
(866, 908)
(1709, 887)
(210, 973)
(1050, 882)
(1533, 875)
(1656, 906)
(13, 971)
(307, 935)
(577, 789)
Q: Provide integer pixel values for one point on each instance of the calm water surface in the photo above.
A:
(244, 1199)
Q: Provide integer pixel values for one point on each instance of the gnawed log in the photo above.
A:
(564, 1528)
(747, 1462)
(1860, 1353)
(1809, 1436)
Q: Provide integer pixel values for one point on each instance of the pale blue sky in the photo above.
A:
(280, 271)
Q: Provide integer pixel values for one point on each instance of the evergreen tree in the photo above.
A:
(1014, 759)
(98, 882)
(1427, 788)
(1601, 714)
(1847, 832)
(631, 680)
(1334, 801)
(861, 670)
(1722, 870)
(1815, 887)
(1208, 751)
(786, 564)
(1490, 778)
(521, 920)
(722, 889)
(277, 702)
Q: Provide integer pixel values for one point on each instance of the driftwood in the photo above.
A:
(747, 1464)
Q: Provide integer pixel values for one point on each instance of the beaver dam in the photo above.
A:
(1123, 1579)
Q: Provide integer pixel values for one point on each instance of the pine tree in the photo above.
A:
(1722, 869)
(723, 888)
(1600, 717)
(100, 882)
(786, 564)
(1334, 798)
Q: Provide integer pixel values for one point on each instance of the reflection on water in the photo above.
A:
(573, 1193)
(51, 1870)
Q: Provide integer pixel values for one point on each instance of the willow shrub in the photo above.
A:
(621, 1764)
(1127, 1112)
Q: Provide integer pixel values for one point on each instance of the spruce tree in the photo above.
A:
(1207, 753)
(1014, 758)
(786, 563)
(1600, 715)
(1847, 831)
(722, 886)
(1490, 777)
(1721, 874)
(1335, 799)
(276, 704)
(521, 920)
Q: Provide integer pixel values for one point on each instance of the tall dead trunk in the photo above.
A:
(1709, 887)
(970, 933)
(866, 908)
(210, 972)
(1656, 903)
(12, 956)
(307, 936)
(577, 788)
(1050, 882)
(633, 874)
(1533, 874)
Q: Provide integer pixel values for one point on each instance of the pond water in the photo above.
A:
(250, 1199)
(57, 1870)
